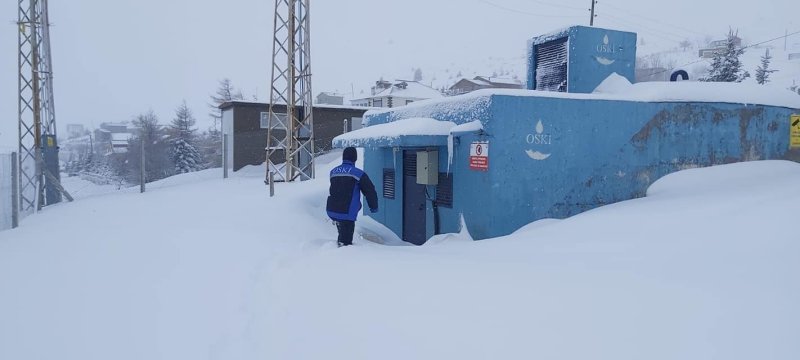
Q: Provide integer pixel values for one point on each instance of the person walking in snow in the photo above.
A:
(344, 201)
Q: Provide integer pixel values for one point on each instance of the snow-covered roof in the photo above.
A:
(555, 34)
(228, 104)
(616, 87)
(411, 90)
(477, 82)
(400, 132)
(121, 137)
(487, 81)
(504, 80)
(471, 126)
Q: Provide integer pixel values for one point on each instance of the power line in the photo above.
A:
(525, 12)
(659, 33)
(557, 5)
(777, 38)
(654, 20)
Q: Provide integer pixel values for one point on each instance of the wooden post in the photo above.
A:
(271, 184)
(142, 177)
(225, 156)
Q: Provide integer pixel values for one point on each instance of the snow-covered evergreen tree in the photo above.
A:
(763, 71)
(185, 156)
(182, 137)
(726, 66)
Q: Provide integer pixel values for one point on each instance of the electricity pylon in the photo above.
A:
(39, 182)
(290, 134)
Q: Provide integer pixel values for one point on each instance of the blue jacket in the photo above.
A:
(347, 184)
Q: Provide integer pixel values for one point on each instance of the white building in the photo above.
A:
(75, 130)
(402, 92)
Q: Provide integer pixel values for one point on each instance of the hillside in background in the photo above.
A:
(648, 56)
(788, 73)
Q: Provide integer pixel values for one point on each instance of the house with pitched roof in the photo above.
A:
(465, 85)
(399, 93)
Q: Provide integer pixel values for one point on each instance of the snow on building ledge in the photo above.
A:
(613, 88)
(407, 132)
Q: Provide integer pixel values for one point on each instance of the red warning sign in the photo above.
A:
(479, 156)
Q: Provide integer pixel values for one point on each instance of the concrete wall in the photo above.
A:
(585, 153)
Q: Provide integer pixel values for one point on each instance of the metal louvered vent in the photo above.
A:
(410, 163)
(444, 190)
(388, 183)
(551, 65)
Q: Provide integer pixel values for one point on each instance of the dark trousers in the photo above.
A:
(346, 230)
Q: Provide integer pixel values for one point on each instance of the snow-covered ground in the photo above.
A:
(704, 267)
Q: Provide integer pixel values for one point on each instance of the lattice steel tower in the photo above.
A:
(290, 135)
(39, 183)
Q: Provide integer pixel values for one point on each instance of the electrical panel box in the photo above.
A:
(428, 167)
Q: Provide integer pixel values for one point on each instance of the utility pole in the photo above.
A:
(142, 174)
(39, 177)
(785, 37)
(290, 134)
(591, 16)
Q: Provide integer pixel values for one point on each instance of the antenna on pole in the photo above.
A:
(592, 15)
(39, 178)
(290, 134)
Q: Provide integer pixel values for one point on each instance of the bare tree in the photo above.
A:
(225, 92)
(158, 164)
(685, 44)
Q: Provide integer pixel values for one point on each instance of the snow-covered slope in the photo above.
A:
(704, 267)
(788, 73)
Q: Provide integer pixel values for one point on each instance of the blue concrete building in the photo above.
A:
(579, 58)
(501, 159)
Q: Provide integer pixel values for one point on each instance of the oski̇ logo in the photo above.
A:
(539, 138)
(607, 49)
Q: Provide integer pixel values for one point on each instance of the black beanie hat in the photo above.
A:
(350, 154)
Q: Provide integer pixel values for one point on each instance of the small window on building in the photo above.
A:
(279, 117)
(388, 183)
(444, 190)
(377, 103)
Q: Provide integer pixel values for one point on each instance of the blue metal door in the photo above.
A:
(413, 201)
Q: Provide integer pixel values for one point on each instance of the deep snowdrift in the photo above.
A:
(704, 267)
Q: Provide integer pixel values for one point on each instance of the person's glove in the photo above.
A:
(373, 210)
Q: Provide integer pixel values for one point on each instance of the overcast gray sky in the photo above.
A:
(115, 59)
